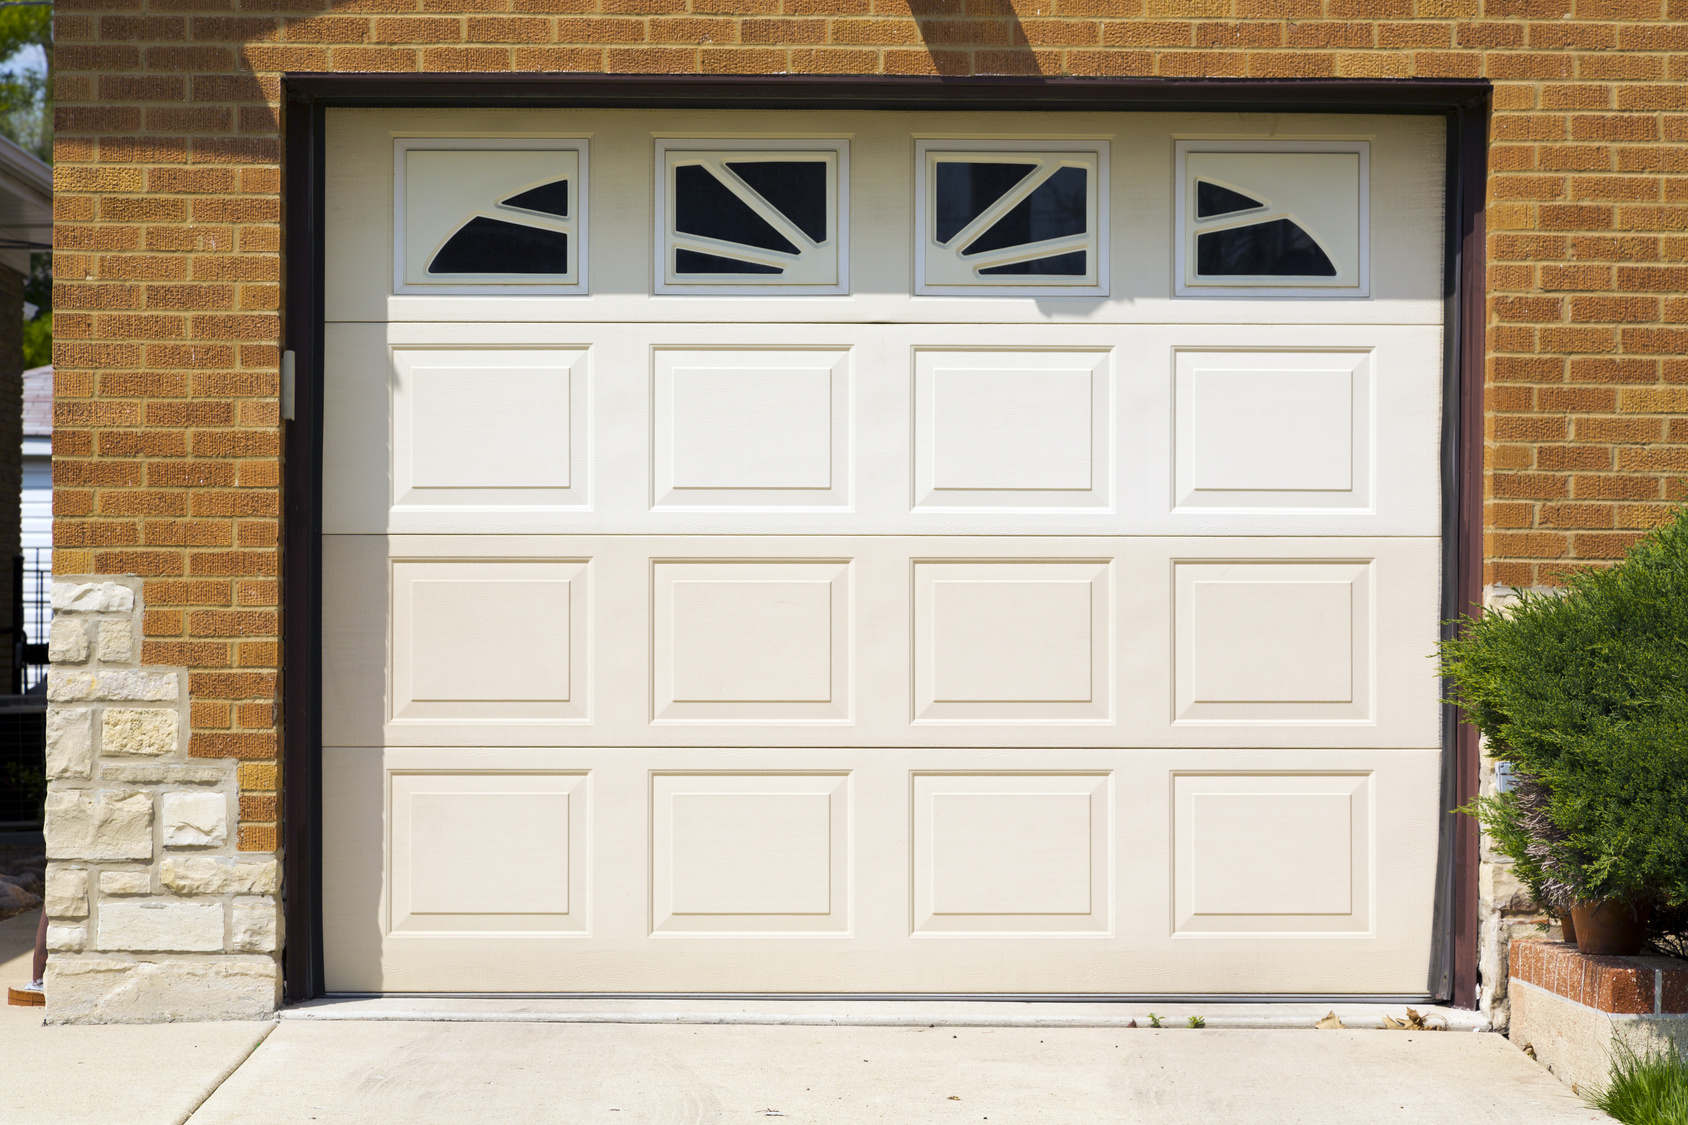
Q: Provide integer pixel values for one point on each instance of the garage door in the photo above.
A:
(880, 552)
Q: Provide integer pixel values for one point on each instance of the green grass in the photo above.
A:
(1646, 1087)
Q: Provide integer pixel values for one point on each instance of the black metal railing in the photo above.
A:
(32, 610)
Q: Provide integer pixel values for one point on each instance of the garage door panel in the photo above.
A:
(1407, 157)
(800, 640)
(939, 429)
(1134, 871)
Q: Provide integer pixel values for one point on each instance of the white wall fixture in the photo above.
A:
(744, 216)
(489, 214)
(1273, 218)
(1010, 218)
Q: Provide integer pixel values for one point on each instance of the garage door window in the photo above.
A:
(1001, 219)
(1273, 218)
(737, 217)
(480, 214)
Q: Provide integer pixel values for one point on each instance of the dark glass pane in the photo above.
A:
(1276, 249)
(1054, 210)
(704, 206)
(964, 190)
(1061, 264)
(691, 261)
(1211, 199)
(484, 245)
(550, 199)
(796, 188)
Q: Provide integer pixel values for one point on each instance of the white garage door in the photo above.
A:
(881, 552)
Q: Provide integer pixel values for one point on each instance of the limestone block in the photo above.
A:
(67, 641)
(227, 988)
(149, 732)
(150, 773)
(1500, 889)
(92, 597)
(119, 684)
(70, 741)
(132, 683)
(102, 824)
(180, 927)
(195, 820)
(66, 939)
(125, 883)
(67, 687)
(67, 892)
(117, 642)
(205, 875)
(252, 929)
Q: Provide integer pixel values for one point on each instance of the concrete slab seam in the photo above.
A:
(217, 1083)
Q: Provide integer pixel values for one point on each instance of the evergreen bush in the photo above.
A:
(1585, 693)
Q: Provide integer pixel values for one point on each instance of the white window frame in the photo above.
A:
(1184, 230)
(576, 226)
(774, 287)
(1018, 286)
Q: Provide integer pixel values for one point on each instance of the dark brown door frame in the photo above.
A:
(1463, 103)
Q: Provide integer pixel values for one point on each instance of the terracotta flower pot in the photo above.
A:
(1567, 926)
(1609, 927)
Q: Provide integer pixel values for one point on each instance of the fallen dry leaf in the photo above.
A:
(1413, 1022)
(1331, 1022)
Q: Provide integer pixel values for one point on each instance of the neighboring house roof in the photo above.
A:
(26, 205)
(38, 402)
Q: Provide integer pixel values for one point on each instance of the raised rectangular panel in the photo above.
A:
(750, 853)
(1013, 852)
(1239, 626)
(751, 641)
(1273, 431)
(1011, 641)
(490, 640)
(1273, 641)
(494, 428)
(490, 851)
(1012, 429)
(751, 428)
(1272, 853)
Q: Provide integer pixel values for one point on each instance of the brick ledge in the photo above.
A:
(1615, 985)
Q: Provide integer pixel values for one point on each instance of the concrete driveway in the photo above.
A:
(489, 1072)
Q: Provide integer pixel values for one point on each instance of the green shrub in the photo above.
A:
(1586, 695)
(1645, 1087)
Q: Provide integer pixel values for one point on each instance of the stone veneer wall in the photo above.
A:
(1505, 911)
(152, 914)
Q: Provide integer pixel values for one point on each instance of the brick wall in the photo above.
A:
(168, 171)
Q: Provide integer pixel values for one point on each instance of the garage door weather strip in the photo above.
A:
(833, 1010)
